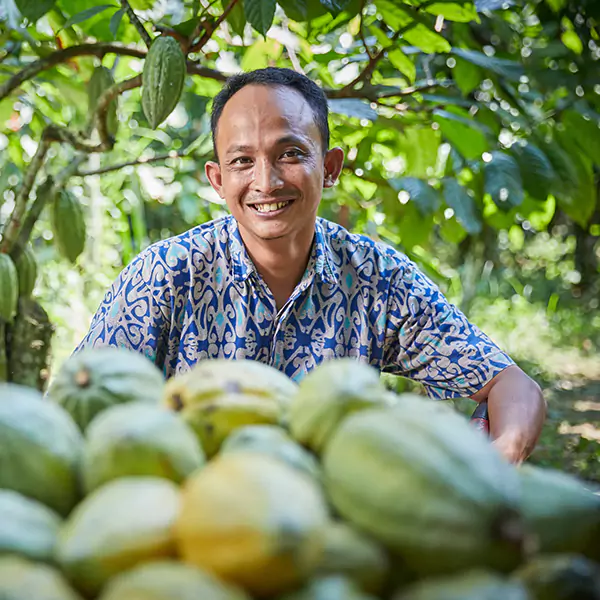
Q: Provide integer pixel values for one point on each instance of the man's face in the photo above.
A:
(272, 168)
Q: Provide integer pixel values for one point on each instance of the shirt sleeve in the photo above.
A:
(431, 341)
(129, 315)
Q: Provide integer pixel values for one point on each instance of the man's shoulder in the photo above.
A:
(200, 238)
(356, 248)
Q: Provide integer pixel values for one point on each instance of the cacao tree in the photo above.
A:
(459, 119)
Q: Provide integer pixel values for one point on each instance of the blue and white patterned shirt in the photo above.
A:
(198, 295)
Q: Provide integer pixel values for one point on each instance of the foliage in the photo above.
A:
(461, 122)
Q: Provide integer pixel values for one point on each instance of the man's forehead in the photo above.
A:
(280, 110)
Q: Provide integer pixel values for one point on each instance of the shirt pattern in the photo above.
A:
(198, 295)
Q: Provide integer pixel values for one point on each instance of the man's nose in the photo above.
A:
(267, 177)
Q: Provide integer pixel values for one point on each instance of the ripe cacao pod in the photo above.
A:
(162, 79)
(9, 284)
(100, 81)
(27, 271)
(68, 225)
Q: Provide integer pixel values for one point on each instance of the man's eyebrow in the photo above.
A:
(291, 139)
(239, 148)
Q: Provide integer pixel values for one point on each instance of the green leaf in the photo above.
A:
(260, 54)
(403, 63)
(556, 5)
(490, 5)
(572, 41)
(454, 11)
(295, 9)
(352, 107)
(463, 134)
(508, 69)
(32, 10)
(536, 170)
(236, 18)
(187, 27)
(335, 7)
(420, 192)
(581, 202)
(84, 15)
(260, 14)
(115, 22)
(503, 180)
(467, 75)
(567, 177)
(463, 205)
(420, 147)
(420, 33)
(585, 133)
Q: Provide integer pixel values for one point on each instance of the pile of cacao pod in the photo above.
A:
(231, 481)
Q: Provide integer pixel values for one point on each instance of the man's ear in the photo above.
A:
(333, 164)
(213, 173)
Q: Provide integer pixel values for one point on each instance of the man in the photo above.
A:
(273, 283)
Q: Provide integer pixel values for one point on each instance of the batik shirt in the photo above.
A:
(198, 295)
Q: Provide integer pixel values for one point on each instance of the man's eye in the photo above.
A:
(292, 153)
(241, 160)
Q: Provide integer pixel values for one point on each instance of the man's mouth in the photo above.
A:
(273, 207)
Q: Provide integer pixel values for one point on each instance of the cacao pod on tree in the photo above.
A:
(26, 271)
(162, 79)
(9, 284)
(100, 81)
(68, 225)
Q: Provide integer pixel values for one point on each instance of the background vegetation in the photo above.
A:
(471, 131)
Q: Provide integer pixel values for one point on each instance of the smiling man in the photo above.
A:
(273, 282)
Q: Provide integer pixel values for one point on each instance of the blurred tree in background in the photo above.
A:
(471, 133)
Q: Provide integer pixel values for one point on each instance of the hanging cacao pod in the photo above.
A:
(9, 288)
(27, 271)
(100, 81)
(162, 79)
(68, 225)
(28, 345)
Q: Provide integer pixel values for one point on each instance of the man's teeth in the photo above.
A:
(270, 207)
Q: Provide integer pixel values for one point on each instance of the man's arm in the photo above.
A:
(517, 411)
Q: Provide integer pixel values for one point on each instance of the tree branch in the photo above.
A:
(361, 32)
(208, 30)
(197, 69)
(371, 92)
(62, 56)
(132, 163)
(100, 120)
(136, 23)
(13, 226)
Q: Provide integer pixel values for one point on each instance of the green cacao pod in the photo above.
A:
(124, 523)
(96, 378)
(9, 284)
(40, 450)
(169, 580)
(471, 585)
(421, 480)
(99, 82)
(333, 587)
(162, 79)
(354, 555)
(21, 579)
(139, 439)
(328, 394)
(68, 225)
(27, 271)
(28, 345)
(562, 512)
(27, 527)
(561, 577)
(273, 440)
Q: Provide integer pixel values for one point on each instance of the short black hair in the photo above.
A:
(274, 76)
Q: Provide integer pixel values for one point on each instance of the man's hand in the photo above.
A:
(517, 411)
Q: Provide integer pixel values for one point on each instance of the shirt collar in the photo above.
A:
(321, 260)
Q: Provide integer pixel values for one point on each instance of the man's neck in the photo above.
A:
(281, 262)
